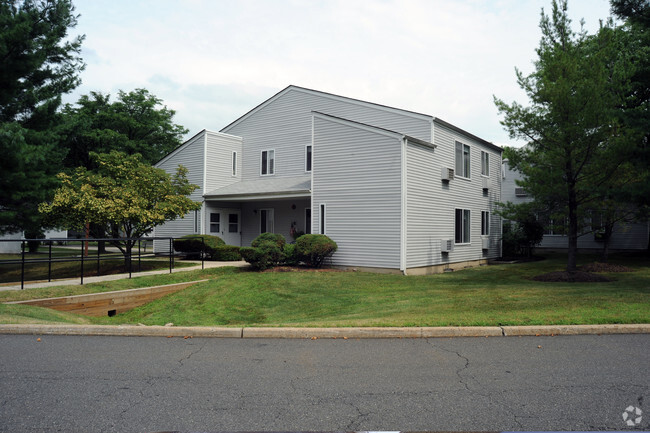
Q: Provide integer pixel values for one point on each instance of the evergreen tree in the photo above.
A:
(576, 144)
(39, 64)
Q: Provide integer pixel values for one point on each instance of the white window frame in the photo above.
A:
(212, 223)
(485, 163)
(270, 172)
(307, 221)
(309, 155)
(464, 162)
(466, 222)
(322, 219)
(234, 163)
(231, 223)
(271, 212)
(485, 223)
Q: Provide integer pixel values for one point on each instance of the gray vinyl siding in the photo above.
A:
(461, 194)
(424, 191)
(626, 236)
(218, 168)
(284, 124)
(357, 175)
(191, 156)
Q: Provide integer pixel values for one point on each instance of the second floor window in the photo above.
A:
(268, 162)
(462, 160)
(234, 163)
(308, 158)
(485, 163)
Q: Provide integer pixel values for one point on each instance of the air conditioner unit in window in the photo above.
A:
(486, 243)
(520, 192)
(446, 174)
(447, 245)
(485, 182)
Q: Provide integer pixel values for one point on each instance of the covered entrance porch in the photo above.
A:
(240, 212)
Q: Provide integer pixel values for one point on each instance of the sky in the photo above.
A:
(212, 60)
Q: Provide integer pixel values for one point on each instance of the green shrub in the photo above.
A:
(225, 253)
(314, 249)
(290, 255)
(263, 256)
(278, 239)
(192, 245)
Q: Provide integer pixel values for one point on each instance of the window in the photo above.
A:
(462, 226)
(308, 158)
(234, 163)
(215, 220)
(196, 221)
(233, 223)
(321, 220)
(266, 221)
(485, 223)
(462, 160)
(268, 162)
(307, 220)
(485, 163)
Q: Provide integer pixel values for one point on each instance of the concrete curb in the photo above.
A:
(315, 333)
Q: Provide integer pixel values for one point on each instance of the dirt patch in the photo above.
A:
(605, 267)
(572, 277)
(300, 269)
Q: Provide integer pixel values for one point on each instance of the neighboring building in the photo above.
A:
(9, 241)
(396, 190)
(626, 236)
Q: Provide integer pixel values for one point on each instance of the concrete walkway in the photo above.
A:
(113, 277)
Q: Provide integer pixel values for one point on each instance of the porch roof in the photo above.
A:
(272, 187)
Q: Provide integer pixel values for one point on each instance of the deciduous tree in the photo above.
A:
(124, 194)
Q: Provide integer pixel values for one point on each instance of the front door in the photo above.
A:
(226, 223)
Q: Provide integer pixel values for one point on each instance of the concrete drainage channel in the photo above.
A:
(321, 333)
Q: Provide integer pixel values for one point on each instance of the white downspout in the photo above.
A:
(403, 216)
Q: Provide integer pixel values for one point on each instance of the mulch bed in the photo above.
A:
(572, 277)
(605, 267)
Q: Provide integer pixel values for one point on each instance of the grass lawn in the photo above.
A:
(492, 295)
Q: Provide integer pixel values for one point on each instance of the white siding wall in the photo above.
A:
(357, 176)
(191, 156)
(444, 198)
(218, 168)
(285, 126)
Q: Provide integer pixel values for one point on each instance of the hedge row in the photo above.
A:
(266, 250)
(215, 248)
(269, 249)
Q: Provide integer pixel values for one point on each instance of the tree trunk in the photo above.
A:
(572, 259)
(604, 256)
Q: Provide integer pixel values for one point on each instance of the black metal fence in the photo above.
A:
(89, 259)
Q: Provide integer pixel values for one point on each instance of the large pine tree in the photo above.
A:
(40, 62)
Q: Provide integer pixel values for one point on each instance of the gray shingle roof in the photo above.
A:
(267, 186)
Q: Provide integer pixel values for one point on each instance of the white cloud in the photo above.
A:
(212, 61)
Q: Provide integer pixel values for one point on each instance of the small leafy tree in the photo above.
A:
(125, 195)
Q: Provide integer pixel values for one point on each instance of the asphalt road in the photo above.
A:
(138, 384)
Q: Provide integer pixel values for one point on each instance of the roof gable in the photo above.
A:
(330, 96)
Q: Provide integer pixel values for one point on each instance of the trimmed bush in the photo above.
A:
(314, 249)
(265, 255)
(225, 253)
(192, 245)
(290, 255)
(278, 239)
